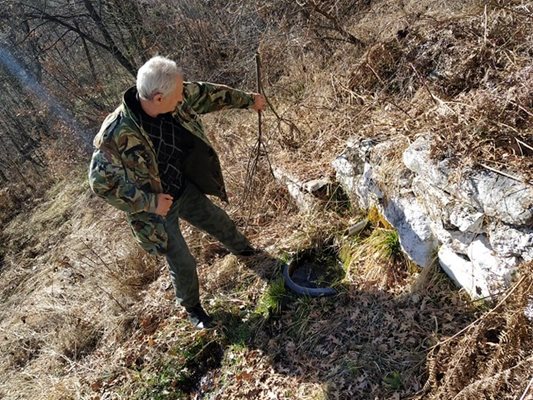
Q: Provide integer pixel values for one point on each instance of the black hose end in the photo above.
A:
(305, 291)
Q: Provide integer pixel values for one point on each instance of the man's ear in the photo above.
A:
(158, 98)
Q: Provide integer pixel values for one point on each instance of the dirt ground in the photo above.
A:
(84, 314)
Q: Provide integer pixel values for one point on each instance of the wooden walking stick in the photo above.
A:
(256, 152)
(251, 168)
(260, 142)
(259, 90)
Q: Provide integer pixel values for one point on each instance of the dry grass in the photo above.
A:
(85, 314)
(16, 197)
(449, 74)
(492, 357)
(77, 329)
(64, 300)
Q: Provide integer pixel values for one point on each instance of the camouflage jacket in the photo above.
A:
(124, 172)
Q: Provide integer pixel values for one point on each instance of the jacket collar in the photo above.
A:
(129, 96)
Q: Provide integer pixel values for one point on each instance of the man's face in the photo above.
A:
(170, 102)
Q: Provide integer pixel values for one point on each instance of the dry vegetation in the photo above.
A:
(86, 315)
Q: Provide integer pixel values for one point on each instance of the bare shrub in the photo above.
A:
(491, 357)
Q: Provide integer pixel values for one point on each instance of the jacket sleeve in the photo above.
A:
(206, 97)
(109, 180)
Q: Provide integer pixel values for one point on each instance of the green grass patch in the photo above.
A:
(301, 319)
(273, 299)
(385, 243)
(174, 377)
(393, 381)
(163, 384)
(375, 255)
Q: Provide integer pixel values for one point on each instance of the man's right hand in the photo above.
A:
(259, 102)
(164, 201)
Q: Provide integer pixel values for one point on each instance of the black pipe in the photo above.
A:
(305, 291)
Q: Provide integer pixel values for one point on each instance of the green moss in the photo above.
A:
(377, 219)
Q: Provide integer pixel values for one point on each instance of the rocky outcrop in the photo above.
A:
(478, 224)
(305, 194)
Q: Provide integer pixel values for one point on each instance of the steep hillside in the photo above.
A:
(85, 314)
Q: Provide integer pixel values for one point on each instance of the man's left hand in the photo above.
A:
(259, 102)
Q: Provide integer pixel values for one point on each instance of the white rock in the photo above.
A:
(304, 200)
(482, 219)
(356, 175)
(315, 185)
(493, 194)
(528, 311)
(464, 273)
(413, 227)
(347, 175)
(496, 270)
(417, 158)
(500, 197)
(351, 162)
(509, 241)
(436, 201)
(466, 218)
(456, 240)
(368, 192)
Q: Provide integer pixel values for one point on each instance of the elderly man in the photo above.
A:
(153, 161)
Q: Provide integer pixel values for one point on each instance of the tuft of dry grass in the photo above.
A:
(376, 258)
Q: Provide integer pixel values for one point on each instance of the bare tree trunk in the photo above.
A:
(88, 55)
(109, 40)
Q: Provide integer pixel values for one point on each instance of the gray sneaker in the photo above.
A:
(199, 318)
(249, 251)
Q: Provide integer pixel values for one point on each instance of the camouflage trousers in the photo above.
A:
(195, 207)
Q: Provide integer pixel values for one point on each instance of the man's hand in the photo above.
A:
(259, 102)
(164, 201)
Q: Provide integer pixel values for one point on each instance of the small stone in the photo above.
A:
(315, 185)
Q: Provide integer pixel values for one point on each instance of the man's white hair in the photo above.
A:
(157, 75)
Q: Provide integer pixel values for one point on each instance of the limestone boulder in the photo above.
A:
(480, 222)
